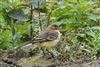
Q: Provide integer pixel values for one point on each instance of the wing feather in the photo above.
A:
(46, 36)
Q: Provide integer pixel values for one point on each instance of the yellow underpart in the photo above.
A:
(49, 44)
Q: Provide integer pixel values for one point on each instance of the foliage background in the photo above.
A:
(79, 20)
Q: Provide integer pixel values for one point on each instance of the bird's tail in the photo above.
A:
(23, 44)
(34, 40)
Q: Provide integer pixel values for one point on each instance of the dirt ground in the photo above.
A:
(21, 59)
(40, 61)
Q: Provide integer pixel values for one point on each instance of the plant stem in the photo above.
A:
(40, 24)
(31, 16)
(48, 17)
(12, 4)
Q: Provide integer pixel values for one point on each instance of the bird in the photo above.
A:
(48, 38)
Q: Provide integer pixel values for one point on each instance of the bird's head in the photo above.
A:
(53, 27)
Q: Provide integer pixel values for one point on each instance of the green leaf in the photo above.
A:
(13, 31)
(4, 5)
(18, 14)
(92, 34)
(6, 17)
(95, 28)
(41, 3)
(94, 17)
(5, 39)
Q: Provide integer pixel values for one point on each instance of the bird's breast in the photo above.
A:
(50, 44)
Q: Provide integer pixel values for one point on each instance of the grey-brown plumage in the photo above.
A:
(48, 38)
(45, 36)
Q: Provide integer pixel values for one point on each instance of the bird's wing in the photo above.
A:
(51, 36)
(46, 36)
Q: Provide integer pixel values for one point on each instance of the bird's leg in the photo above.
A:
(43, 51)
(54, 58)
(50, 53)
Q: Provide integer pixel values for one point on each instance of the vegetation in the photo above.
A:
(79, 21)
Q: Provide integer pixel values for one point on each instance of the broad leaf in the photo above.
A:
(38, 3)
(18, 14)
(6, 17)
(95, 28)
